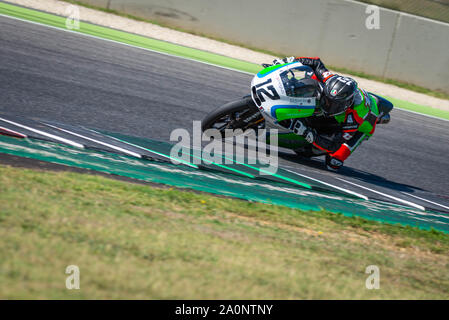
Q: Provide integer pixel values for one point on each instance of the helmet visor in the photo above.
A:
(332, 107)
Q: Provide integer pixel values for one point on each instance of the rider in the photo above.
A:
(339, 97)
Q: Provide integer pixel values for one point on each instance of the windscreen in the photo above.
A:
(296, 86)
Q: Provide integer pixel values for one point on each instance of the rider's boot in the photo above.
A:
(333, 164)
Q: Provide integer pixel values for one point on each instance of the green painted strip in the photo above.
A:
(220, 183)
(153, 151)
(138, 142)
(270, 173)
(419, 108)
(170, 48)
(128, 38)
(225, 167)
(185, 162)
(256, 169)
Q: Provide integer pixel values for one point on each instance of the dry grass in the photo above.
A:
(133, 241)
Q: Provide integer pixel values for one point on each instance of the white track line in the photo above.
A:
(66, 141)
(167, 54)
(435, 203)
(14, 132)
(386, 195)
(98, 142)
(422, 114)
(329, 185)
(148, 150)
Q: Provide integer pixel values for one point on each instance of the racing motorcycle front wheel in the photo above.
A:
(240, 114)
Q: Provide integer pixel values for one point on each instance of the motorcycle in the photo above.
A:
(280, 93)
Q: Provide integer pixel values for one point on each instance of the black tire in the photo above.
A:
(240, 114)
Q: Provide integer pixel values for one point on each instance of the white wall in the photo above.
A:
(406, 47)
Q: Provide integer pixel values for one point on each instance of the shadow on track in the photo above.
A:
(348, 172)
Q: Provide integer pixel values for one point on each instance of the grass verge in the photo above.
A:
(137, 241)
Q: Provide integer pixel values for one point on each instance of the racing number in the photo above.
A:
(262, 89)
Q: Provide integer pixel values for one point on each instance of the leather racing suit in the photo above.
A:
(358, 123)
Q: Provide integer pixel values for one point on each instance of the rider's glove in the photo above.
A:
(299, 128)
(332, 163)
(282, 61)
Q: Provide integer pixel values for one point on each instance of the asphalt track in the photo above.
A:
(77, 80)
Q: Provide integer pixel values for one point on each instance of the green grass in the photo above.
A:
(442, 114)
(137, 241)
(401, 84)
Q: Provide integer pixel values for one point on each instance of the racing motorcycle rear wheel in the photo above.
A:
(240, 114)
